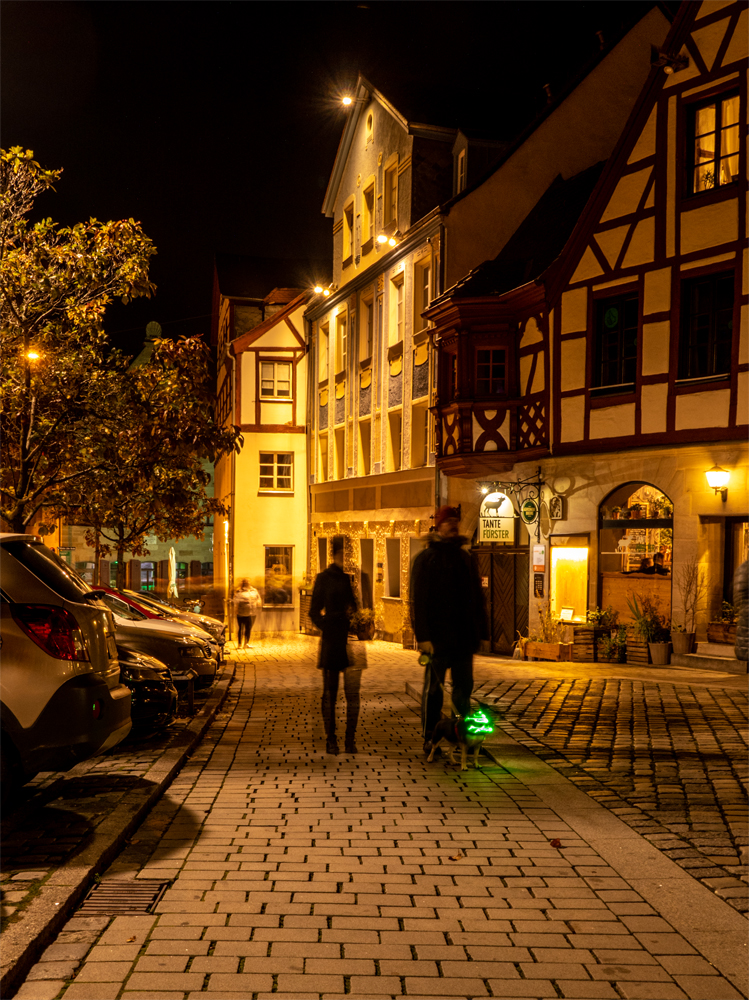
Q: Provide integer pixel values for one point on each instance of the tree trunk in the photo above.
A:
(120, 557)
(97, 562)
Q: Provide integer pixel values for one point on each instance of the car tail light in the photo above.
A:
(96, 708)
(54, 629)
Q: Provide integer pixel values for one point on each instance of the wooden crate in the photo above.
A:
(585, 643)
(638, 653)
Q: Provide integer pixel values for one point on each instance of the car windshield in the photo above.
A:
(121, 609)
(45, 564)
(151, 602)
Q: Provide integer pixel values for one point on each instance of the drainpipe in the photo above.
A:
(309, 437)
(438, 291)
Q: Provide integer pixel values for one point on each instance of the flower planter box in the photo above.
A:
(585, 642)
(638, 653)
(721, 632)
(660, 653)
(558, 651)
(683, 642)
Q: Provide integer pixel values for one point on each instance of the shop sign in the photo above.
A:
(497, 519)
(529, 511)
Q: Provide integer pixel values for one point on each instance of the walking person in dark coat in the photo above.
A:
(449, 618)
(332, 606)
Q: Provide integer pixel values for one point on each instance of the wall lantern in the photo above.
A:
(717, 480)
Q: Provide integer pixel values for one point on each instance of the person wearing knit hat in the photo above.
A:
(448, 617)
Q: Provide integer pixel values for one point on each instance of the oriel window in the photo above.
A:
(616, 343)
(714, 143)
(490, 372)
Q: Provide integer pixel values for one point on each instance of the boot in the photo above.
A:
(332, 746)
(350, 742)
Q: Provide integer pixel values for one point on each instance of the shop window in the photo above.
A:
(714, 144)
(393, 567)
(706, 326)
(278, 592)
(275, 379)
(276, 472)
(615, 367)
(569, 579)
(148, 575)
(391, 195)
(490, 372)
(635, 544)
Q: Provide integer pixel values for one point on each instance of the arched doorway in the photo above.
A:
(635, 545)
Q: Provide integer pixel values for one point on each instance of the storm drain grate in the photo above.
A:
(115, 897)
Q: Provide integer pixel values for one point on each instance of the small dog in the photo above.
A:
(468, 734)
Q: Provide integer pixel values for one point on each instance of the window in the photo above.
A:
(348, 231)
(368, 216)
(714, 144)
(616, 343)
(341, 343)
(422, 293)
(460, 180)
(393, 561)
(396, 309)
(419, 436)
(322, 553)
(276, 471)
(324, 338)
(366, 572)
(278, 591)
(452, 360)
(365, 447)
(490, 372)
(340, 454)
(569, 579)
(380, 315)
(391, 195)
(395, 421)
(706, 326)
(322, 468)
(366, 342)
(370, 129)
(275, 379)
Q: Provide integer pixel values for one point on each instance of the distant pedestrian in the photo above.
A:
(332, 606)
(449, 618)
(246, 603)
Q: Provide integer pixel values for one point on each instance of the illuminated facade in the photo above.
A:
(606, 345)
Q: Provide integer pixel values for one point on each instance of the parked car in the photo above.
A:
(213, 626)
(148, 609)
(154, 696)
(61, 697)
(180, 646)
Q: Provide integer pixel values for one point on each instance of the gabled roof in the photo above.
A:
(363, 93)
(283, 315)
(536, 243)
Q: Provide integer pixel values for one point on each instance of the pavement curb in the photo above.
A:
(23, 941)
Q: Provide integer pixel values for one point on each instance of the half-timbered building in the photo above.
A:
(599, 366)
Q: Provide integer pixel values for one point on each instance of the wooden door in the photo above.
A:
(505, 578)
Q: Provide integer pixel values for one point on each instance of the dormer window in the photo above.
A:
(460, 175)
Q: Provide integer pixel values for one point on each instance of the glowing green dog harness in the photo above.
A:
(478, 722)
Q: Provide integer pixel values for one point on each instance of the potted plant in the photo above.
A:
(585, 638)
(652, 627)
(363, 623)
(612, 648)
(693, 588)
(615, 513)
(545, 643)
(723, 629)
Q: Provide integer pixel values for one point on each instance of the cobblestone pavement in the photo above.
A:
(56, 813)
(668, 759)
(297, 874)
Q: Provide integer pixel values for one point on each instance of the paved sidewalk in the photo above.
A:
(298, 874)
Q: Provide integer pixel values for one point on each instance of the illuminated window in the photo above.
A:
(275, 379)
(365, 447)
(276, 471)
(391, 195)
(322, 466)
(460, 181)
(341, 343)
(396, 309)
(340, 455)
(323, 351)
(366, 331)
(393, 567)
(419, 436)
(714, 144)
(278, 565)
(706, 326)
(569, 580)
(490, 372)
(394, 456)
(422, 293)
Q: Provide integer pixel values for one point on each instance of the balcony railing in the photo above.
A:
(471, 432)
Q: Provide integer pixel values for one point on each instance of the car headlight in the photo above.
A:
(191, 651)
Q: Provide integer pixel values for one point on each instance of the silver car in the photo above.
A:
(62, 700)
(214, 627)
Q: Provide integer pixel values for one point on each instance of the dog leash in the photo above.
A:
(425, 660)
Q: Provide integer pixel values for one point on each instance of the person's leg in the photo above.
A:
(432, 694)
(250, 623)
(351, 687)
(241, 630)
(461, 670)
(329, 696)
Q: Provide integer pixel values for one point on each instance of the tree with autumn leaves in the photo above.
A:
(82, 434)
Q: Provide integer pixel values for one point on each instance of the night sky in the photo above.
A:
(215, 124)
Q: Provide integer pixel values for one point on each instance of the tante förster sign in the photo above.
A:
(497, 519)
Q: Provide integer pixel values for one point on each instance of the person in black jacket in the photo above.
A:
(331, 608)
(449, 618)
